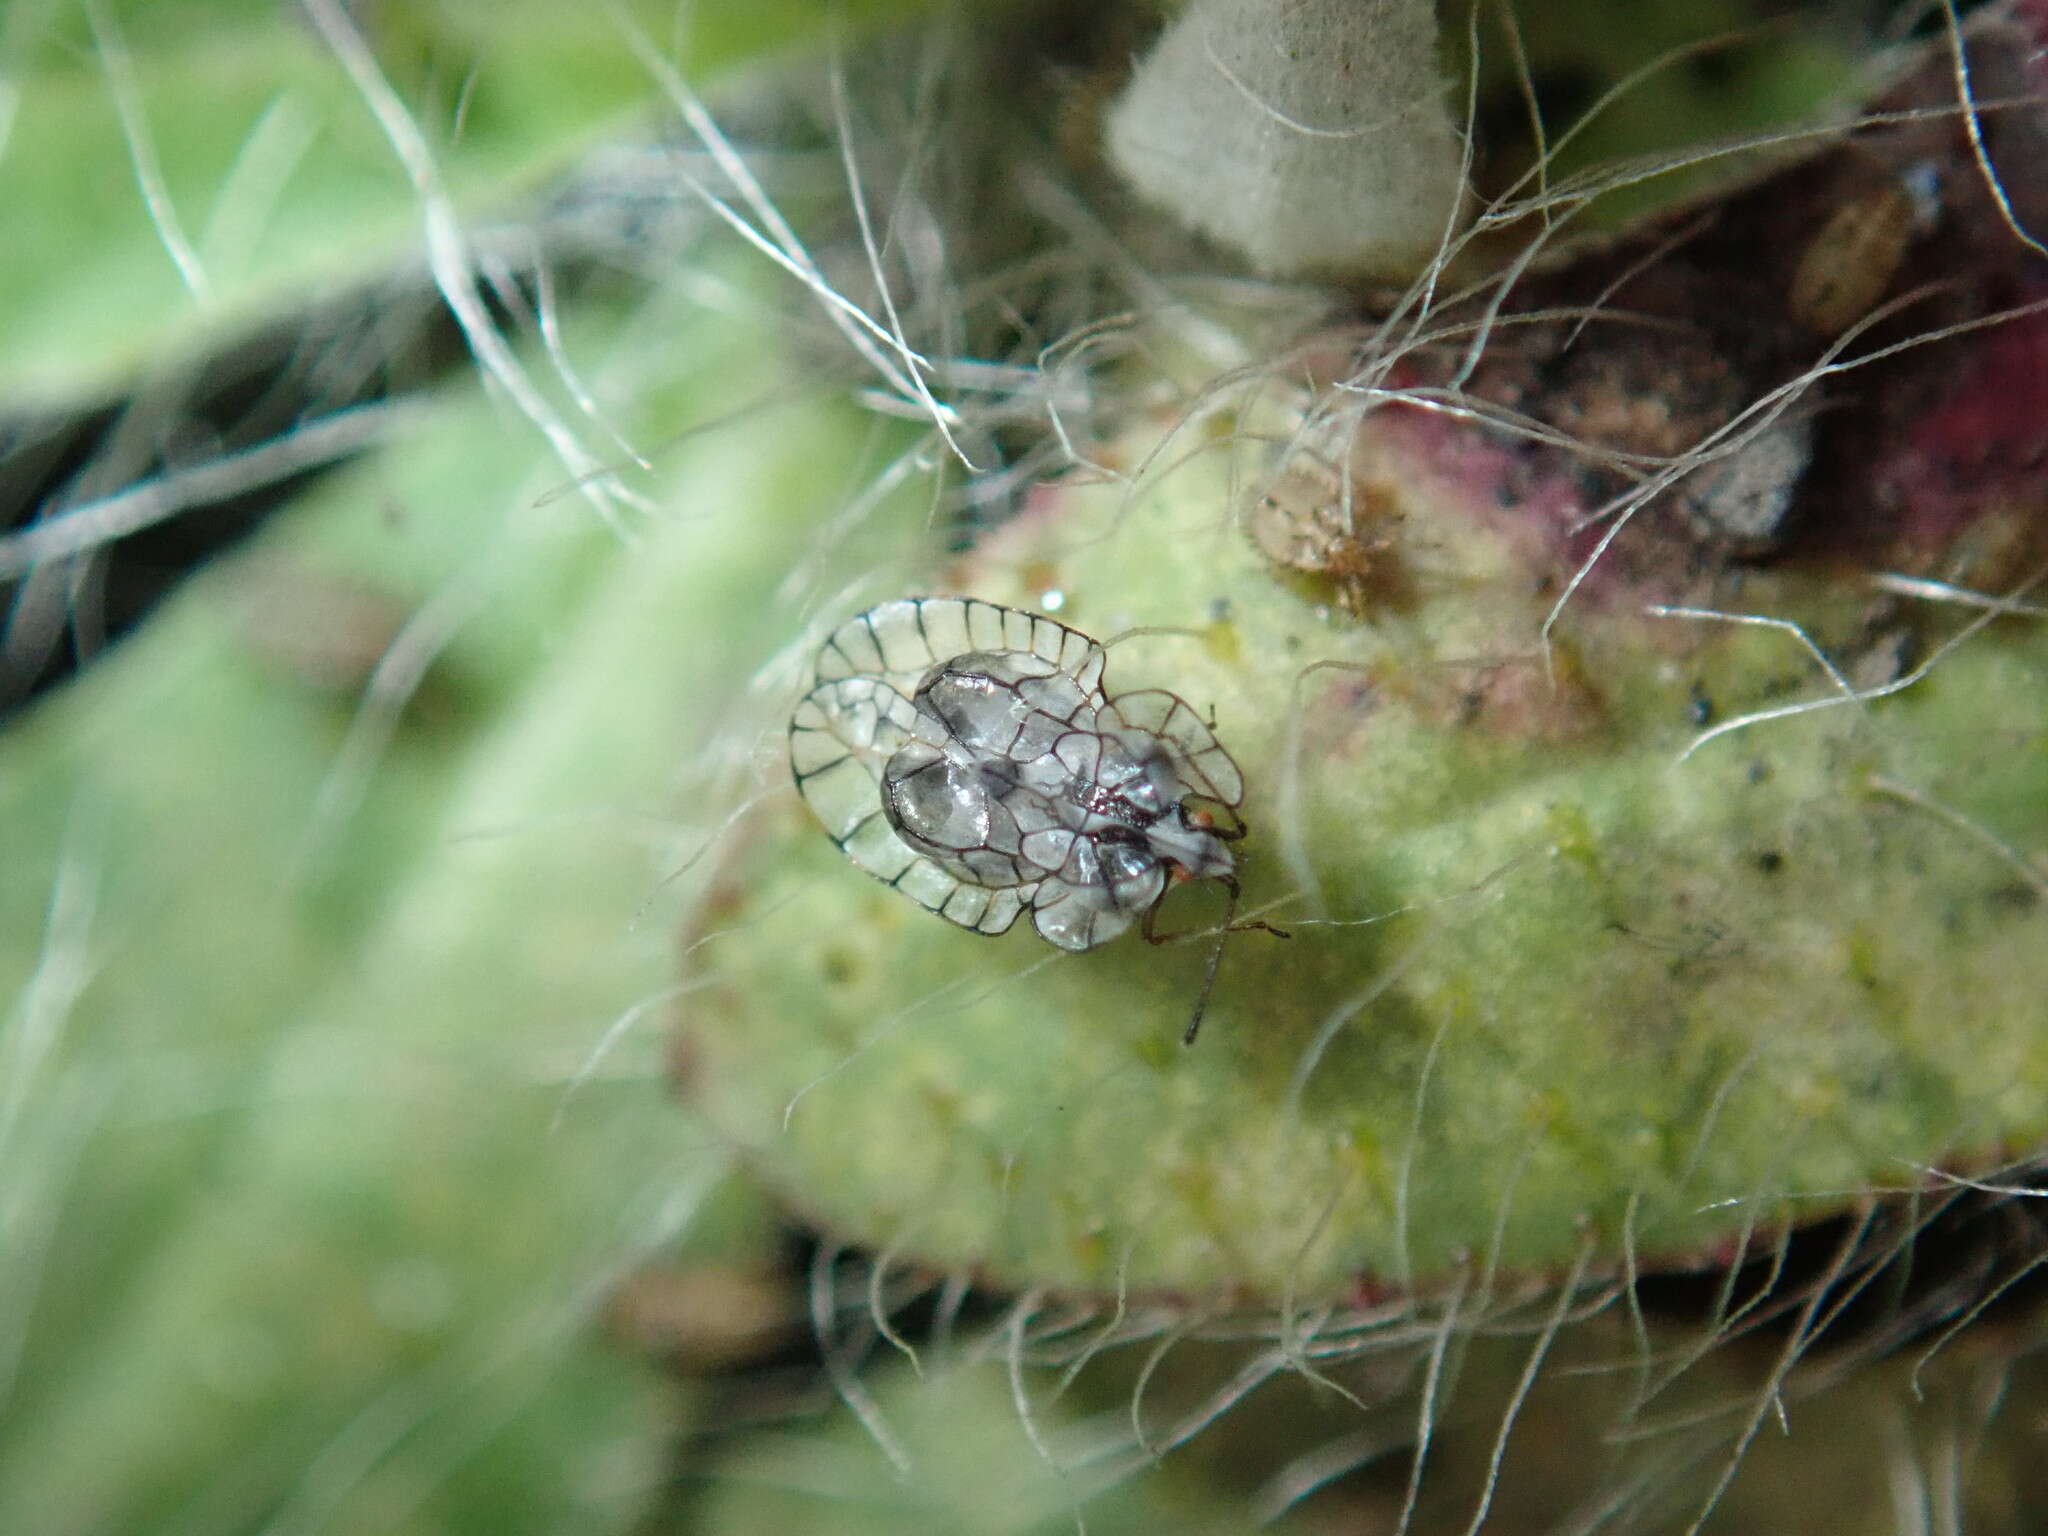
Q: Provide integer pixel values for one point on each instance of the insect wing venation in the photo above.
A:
(1204, 766)
(901, 640)
(967, 755)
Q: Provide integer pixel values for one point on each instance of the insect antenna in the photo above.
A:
(1209, 971)
(1230, 925)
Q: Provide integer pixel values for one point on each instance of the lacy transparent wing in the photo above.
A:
(1205, 767)
(967, 821)
(1065, 917)
(841, 738)
(984, 910)
(978, 824)
(900, 641)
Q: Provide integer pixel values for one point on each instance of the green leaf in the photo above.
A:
(1549, 979)
(336, 1102)
(270, 166)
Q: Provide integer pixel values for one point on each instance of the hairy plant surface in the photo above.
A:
(1632, 646)
(1652, 797)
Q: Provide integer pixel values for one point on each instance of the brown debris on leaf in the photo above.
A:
(1336, 529)
(1844, 360)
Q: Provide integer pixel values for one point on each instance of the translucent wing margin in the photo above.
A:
(1205, 767)
(841, 737)
(899, 642)
(1016, 740)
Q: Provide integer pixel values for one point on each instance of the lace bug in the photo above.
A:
(970, 756)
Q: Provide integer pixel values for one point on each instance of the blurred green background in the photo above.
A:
(341, 1189)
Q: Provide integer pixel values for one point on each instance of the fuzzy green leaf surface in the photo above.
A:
(968, 1465)
(1551, 980)
(334, 1102)
(268, 164)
